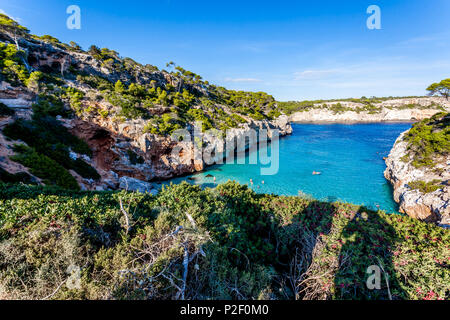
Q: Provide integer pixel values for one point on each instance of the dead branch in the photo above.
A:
(385, 278)
(127, 220)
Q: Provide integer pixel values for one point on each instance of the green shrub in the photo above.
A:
(41, 132)
(75, 97)
(50, 139)
(425, 187)
(45, 168)
(22, 177)
(238, 118)
(429, 139)
(242, 245)
(5, 111)
(11, 64)
(50, 105)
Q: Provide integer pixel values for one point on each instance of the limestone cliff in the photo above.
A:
(423, 192)
(400, 109)
(124, 110)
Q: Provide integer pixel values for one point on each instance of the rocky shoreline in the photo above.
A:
(430, 207)
(395, 110)
(115, 144)
(112, 144)
(126, 156)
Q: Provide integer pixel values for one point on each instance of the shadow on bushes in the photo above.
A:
(368, 242)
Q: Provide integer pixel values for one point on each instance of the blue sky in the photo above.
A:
(294, 50)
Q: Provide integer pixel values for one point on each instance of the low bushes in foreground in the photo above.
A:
(222, 243)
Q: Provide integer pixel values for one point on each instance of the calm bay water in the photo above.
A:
(349, 157)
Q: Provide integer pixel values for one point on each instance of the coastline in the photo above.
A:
(353, 122)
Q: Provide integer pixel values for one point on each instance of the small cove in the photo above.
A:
(348, 156)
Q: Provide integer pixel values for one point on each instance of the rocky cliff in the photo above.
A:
(113, 143)
(406, 109)
(117, 146)
(126, 112)
(422, 190)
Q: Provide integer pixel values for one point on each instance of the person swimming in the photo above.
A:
(316, 173)
(251, 181)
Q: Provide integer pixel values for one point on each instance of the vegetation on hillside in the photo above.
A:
(44, 167)
(20, 177)
(335, 105)
(425, 187)
(5, 111)
(223, 243)
(57, 242)
(170, 101)
(428, 141)
(48, 149)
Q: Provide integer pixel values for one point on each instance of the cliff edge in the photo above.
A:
(375, 110)
(94, 120)
(418, 167)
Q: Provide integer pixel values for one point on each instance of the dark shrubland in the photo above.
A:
(237, 244)
(49, 140)
(5, 111)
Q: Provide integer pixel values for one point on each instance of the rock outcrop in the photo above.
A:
(131, 184)
(408, 109)
(112, 144)
(122, 149)
(431, 207)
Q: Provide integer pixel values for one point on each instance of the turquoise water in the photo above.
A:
(349, 157)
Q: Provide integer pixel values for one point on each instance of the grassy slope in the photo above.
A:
(240, 245)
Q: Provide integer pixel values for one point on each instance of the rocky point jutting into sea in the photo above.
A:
(422, 188)
(409, 180)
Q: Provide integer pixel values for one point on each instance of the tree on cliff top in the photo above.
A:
(12, 28)
(442, 88)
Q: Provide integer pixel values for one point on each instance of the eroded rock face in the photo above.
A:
(16, 97)
(117, 145)
(161, 157)
(430, 207)
(111, 155)
(391, 110)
